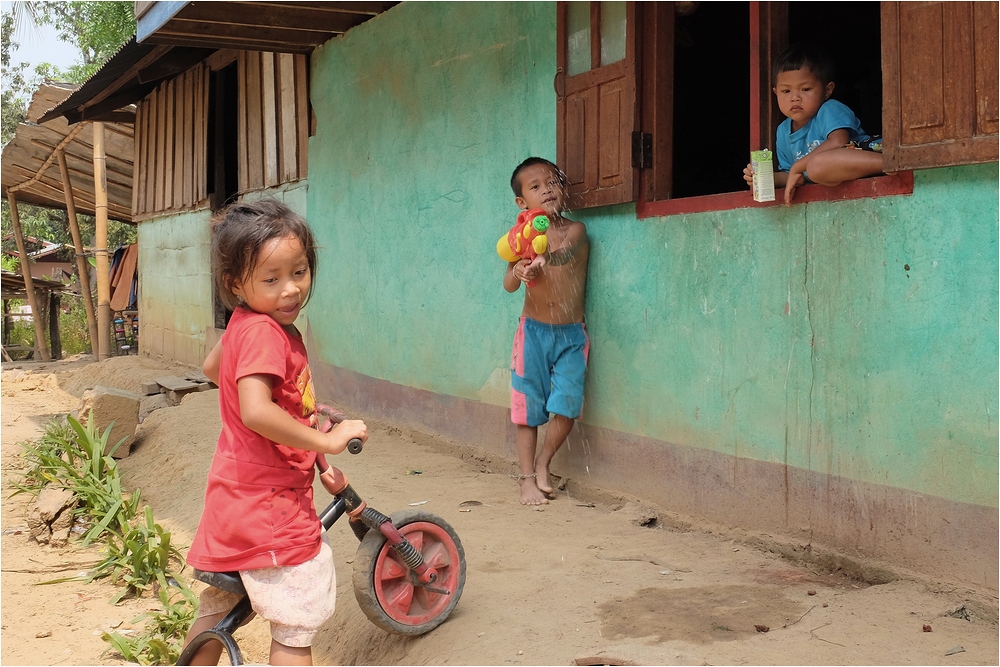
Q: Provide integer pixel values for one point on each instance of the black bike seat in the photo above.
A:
(227, 581)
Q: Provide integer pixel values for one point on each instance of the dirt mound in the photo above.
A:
(583, 580)
(128, 373)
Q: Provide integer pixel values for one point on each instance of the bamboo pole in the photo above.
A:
(81, 259)
(29, 282)
(101, 251)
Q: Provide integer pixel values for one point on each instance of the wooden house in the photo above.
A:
(825, 371)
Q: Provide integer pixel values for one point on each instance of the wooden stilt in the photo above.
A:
(29, 283)
(82, 268)
(55, 338)
(101, 251)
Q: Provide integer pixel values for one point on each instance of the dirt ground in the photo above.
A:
(592, 578)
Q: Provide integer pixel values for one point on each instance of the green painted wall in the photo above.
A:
(856, 339)
(788, 335)
(422, 114)
(175, 286)
(175, 278)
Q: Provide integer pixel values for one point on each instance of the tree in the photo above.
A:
(15, 106)
(98, 30)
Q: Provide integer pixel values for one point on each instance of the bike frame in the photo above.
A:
(362, 518)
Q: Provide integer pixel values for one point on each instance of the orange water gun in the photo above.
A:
(526, 239)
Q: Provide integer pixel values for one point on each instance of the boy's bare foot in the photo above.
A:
(543, 481)
(530, 493)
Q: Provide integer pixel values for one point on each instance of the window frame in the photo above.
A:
(654, 102)
(932, 119)
(601, 179)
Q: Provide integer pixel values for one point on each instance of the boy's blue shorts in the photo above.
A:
(547, 365)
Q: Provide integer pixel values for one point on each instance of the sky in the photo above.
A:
(40, 44)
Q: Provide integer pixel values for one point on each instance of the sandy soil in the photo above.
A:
(592, 578)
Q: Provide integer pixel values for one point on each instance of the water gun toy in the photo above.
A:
(526, 239)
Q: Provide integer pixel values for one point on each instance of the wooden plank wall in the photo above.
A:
(171, 140)
(171, 132)
(273, 119)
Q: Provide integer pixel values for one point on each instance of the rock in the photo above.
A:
(52, 501)
(150, 403)
(60, 527)
(174, 383)
(51, 517)
(109, 405)
(150, 388)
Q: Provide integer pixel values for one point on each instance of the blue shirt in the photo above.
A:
(832, 115)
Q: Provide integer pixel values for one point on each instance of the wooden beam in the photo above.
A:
(54, 337)
(101, 251)
(313, 17)
(236, 43)
(53, 187)
(302, 114)
(29, 282)
(89, 148)
(82, 267)
(45, 165)
(269, 128)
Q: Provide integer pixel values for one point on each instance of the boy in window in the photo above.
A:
(820, 140)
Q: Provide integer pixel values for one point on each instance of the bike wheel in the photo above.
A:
(224, 638)
(382, 581)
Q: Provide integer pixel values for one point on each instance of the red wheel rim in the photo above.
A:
(399, 598)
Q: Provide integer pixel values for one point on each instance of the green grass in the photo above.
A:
(161, 638)
(138, 553)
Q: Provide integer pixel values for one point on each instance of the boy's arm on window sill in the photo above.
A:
(900, 183)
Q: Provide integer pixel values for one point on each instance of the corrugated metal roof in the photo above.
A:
(123, 80)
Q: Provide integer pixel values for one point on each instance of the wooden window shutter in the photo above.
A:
(939, 62)
(595, 118)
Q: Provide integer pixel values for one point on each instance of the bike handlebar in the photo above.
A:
(354, 445)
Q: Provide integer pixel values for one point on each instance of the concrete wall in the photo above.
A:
(827, 371)
(176, 316)
(175, 286)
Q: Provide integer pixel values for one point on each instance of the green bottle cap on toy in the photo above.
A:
(540, 223)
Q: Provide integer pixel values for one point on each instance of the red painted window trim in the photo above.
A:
(877, 186)
(900, 183)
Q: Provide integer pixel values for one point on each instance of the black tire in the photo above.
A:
(381, 579)
(224, 638)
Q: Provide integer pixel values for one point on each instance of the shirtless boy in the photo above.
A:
(549, 357)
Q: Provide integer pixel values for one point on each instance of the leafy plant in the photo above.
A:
(74, 330)
(72, 457)
(44, 459)
(138, 557)
(138, 554)
(161, 638)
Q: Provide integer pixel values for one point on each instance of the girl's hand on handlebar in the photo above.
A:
(344, 432)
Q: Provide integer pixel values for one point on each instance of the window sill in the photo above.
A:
(900, 183)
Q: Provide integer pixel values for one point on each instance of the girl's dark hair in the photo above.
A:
(797, 56)
(241, 230)
(515, 184)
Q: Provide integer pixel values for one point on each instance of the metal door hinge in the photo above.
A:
(642, 150)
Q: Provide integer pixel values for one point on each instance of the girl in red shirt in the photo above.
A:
(259, 516)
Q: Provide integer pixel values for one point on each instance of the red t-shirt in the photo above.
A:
(259, 509)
